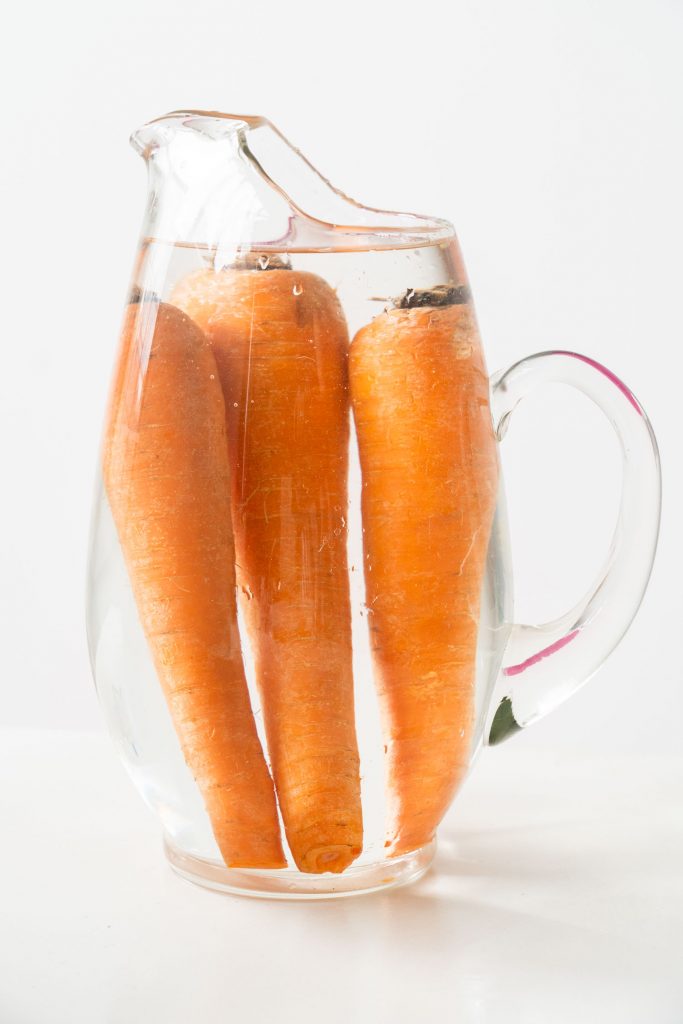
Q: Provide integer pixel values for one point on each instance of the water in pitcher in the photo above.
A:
(366, 281)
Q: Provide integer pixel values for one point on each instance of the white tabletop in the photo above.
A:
(556, 896)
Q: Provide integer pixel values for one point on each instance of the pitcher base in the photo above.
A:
(294, 885)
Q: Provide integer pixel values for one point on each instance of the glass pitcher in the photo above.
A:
(300, 595)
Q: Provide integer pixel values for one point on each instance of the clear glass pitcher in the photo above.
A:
(300, 595)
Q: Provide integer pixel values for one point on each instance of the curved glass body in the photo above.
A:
(299, 587)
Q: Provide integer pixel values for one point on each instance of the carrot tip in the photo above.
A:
(334, 859)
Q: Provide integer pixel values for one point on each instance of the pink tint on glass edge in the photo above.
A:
(607, 373)
(515, 670)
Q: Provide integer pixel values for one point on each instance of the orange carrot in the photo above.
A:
(166, 475)
(428, 458)
(280, 342)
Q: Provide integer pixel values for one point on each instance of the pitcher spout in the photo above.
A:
(234, 181)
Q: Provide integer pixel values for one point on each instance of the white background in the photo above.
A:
(549, 133)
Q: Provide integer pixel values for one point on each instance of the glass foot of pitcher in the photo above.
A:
(294, 885)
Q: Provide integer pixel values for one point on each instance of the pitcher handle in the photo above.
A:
(546, 664)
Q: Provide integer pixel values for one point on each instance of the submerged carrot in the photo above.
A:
(428, 458)
(166, 475)
(280, 342)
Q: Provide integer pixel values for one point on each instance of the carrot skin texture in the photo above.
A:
(166, 476)
(428, 458)
(280, 342)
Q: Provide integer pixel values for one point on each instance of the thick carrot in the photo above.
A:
(280, 342)
(428, 458)
(166, 475)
